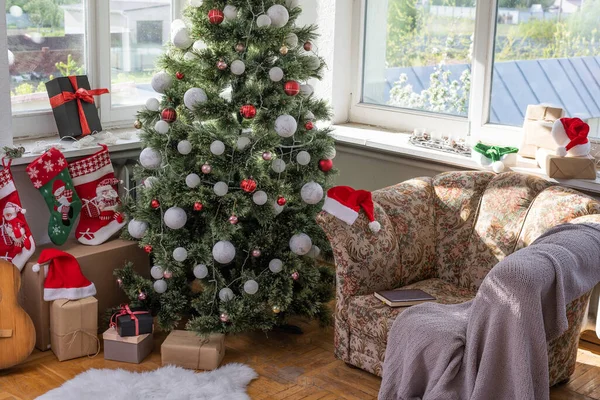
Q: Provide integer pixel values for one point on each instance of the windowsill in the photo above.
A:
(378, 139)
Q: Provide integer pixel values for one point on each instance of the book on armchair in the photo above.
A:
(403, 297)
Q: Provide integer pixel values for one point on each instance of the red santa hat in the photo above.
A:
(11, 207)
(344, 202)
(571, 135)
(64, 279)
(58, 184)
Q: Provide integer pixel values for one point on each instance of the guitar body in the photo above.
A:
(17, 333)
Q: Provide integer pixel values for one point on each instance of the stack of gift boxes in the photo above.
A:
(130, 335)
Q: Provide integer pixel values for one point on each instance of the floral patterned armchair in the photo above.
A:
(443, 235)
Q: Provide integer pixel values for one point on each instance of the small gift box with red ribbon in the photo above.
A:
(132, 321)
(72, 102)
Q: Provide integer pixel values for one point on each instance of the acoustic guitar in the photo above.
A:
(17, 334)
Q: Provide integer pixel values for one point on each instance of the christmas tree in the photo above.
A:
(233, 172)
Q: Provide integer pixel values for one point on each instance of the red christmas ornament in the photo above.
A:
(291, 88)
(248, 185)
(233, 220)
(267, 156)
(198, 206)
(142, 296)
(148, 248)
(221, 65)
(256, 253)
(168, 274)
(216, 16)
(248, 111)
(155, 204)
(240, 47)
(309, 125)
(295, 275)
(179, 75)
(308, 46)
(325, 165)
(168, 114)
(281, 201)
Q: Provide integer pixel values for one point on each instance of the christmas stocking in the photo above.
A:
(16, 243)
(49, 174)
(96, 185)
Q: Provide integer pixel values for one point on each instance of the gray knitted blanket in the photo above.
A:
(494, 346)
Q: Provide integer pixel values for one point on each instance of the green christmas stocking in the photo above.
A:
(50, 174)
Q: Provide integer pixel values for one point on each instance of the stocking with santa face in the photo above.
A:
(49, 174)
(96, 185)
(16, 242)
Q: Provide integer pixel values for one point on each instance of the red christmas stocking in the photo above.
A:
(16, 242)
(95, 183)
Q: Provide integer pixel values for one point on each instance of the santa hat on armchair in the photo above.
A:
(64, 279)
(571, 135)
(344, 202)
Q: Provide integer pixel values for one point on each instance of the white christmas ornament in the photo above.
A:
(193, 97)
(199, 45)
(189, 56)
(278, 165)
(184, 147)
(303, 157)
(243, 142)
(259, 198)
(217, 147)
(314, 62)
(286, 125)
(263, 21)
(160, 286)
(192, 180)
(136, 228)
(161, 127)
(314, 252)
(291, 4)
(276, 74)
(309, 115)
(226, 294)
(180, 254)
(157, 272)
(300, 244)
(175, 217)
(279, 15)
(161, 81)
(152, 104)
(230, 12)
(251, 287)
(291, 40)
(330, 153)
(306, 89)
(220, 188)
(238, 67)
(277, 209)
(150, 181)
(150, 158)
(180, 36)
(311, 193)
(276, 265)
(223, 252)
(200, 271)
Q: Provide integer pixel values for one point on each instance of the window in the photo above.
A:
(116, 43)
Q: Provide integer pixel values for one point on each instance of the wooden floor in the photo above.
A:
(290, 367)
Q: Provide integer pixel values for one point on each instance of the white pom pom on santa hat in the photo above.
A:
(344, 202)
(571, 136)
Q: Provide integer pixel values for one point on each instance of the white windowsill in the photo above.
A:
(378, 139)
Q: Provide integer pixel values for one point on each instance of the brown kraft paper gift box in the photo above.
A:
(131, 349)
(537, 129)
(566, 167)
(188, 350)
(97, 264)
(74, 328)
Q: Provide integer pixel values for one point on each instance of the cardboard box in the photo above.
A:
(74, 328)
(188, 350)
(537, 129)
(131, 349)
(97, 264)
(566, 167)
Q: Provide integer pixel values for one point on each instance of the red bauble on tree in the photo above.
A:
(308, 46)
(155, 203)
(216, 16)
(309, 125)
(325, 165)
(281, 201)
(248, 111)
(168, 114)
(179, 75)
(248, 185)
(148, 248)
(291, 88)
(198, 206)
(221, 65)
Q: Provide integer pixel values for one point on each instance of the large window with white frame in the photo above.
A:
(468, 66)
(115, 42)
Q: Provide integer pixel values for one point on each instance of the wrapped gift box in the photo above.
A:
(537, 129)
(97, 264)
(74, 328)
(132, 349)
(188, 350)
(566, 167)
(140, 322)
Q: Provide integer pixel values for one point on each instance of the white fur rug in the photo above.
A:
(166, 383)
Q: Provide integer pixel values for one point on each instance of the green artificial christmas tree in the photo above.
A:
(233, 172)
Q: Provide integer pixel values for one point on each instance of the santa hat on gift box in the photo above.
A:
(344, 202)
(571, 135)
(64, 279)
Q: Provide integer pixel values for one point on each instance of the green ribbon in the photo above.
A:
(495, 153)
